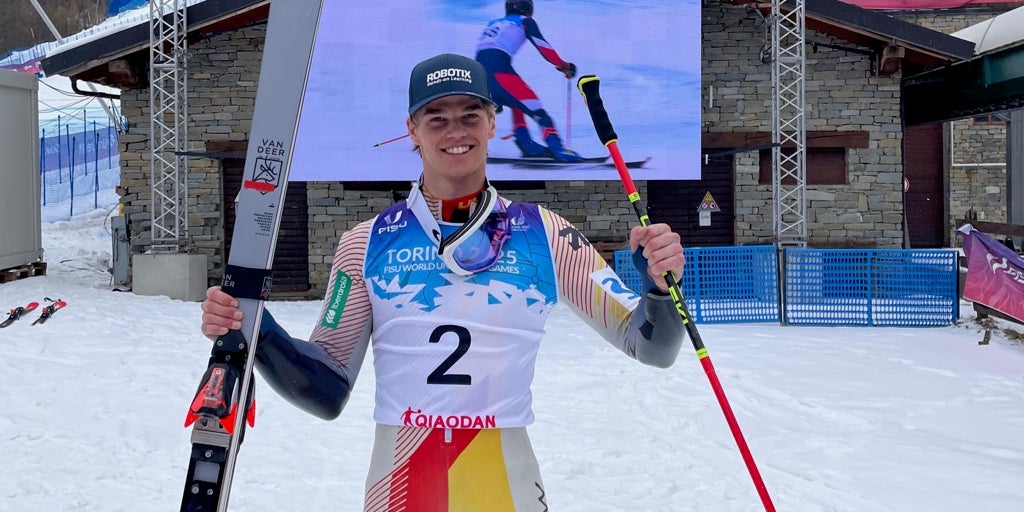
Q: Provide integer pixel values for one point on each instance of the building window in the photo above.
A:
(988, 120)
(825, 166)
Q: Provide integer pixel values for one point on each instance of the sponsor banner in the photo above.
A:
(31, 66)
(995, 274)
(58, 150)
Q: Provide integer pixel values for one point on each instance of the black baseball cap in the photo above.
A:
(445, 75)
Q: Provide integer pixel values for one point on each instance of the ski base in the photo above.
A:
(212, 418)
(206, 469)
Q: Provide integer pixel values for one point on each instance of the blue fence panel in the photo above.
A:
(871, 287)
(100, 142)
(827, 287)
(732, 284)
(915, 288)
(722, 284)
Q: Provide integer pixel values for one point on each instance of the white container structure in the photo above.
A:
(20, 226)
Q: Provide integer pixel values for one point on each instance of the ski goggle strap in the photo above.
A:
(476, 245)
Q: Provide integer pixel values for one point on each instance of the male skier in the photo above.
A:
(498, 43)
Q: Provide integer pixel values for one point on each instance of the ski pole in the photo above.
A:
(568, 113)
(381, 143)
(589, 86)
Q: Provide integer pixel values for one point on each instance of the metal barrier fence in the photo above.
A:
(882, 287)
(78, 171)
(722, 284)
(828, 287)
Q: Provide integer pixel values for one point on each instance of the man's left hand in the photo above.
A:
(662, 249)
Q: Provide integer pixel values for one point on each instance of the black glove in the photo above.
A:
(568, 69)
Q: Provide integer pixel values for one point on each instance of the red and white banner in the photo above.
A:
(995, 274)
(31, 66)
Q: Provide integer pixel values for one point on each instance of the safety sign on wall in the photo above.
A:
(707, 206)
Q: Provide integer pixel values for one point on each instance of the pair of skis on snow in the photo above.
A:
(21, 311)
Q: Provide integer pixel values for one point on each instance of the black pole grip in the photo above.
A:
(589, 87)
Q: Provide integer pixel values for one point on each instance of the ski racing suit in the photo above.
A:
(499, 42)
(454, 355)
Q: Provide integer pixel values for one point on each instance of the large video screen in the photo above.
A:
(645, 52)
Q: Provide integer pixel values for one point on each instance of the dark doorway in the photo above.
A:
(677, 202)
(924, 201)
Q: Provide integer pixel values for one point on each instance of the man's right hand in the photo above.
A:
(220, 313)
(568, 69)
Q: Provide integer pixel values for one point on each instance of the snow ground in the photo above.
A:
(838, 419)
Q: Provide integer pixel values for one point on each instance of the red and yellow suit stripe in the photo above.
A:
(453, 470)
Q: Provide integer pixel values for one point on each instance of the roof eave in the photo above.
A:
(926, 47)
(85, 61)
(988, 83)
(881, 26)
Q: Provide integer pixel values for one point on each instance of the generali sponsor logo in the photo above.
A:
(444, 75)
(417, 418)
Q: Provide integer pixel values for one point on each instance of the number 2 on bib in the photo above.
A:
(439, 375)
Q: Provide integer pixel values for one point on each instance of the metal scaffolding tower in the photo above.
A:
(789, 170)
(168, 107)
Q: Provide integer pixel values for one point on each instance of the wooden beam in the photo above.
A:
(997, 228)
(815, 139)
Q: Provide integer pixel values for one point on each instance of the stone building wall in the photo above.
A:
(841, 95)
(977, 171)
(948, 21)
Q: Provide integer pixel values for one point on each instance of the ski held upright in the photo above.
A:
(224, 403)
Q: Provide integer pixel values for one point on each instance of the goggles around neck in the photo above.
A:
(476, 245)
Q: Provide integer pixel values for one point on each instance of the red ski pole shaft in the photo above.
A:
(589, 86)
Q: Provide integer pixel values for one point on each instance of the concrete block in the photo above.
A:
(178, 276)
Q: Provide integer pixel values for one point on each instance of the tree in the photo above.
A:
(22, 27)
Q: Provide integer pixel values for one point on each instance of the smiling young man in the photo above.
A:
(451, 134)
(451, 288)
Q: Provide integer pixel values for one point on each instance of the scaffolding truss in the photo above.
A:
(168, 107)
(789, 169)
